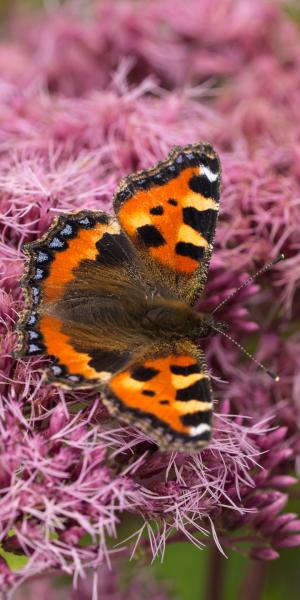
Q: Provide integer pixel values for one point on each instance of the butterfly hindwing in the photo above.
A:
(168, 396)
(62, 289)
(170, 213)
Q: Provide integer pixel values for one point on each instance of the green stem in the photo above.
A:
(254, 582)
(216, 575)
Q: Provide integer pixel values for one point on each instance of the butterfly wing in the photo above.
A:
(168, 396)
(74, 272)
(170, 213)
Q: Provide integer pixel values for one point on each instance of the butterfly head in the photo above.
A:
(208, 326)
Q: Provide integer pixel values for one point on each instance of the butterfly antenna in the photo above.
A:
(252, 278)
(270, 373)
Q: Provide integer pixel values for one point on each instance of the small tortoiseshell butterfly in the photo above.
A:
(110, 298)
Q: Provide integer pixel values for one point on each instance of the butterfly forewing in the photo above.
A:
(170, 214)
(67, 271)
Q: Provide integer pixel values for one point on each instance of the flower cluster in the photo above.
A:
(84, 100)
(106, 582)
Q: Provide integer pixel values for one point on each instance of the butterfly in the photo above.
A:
(110, 298)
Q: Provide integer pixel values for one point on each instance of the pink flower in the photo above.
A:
(105, 582)
(83, 102)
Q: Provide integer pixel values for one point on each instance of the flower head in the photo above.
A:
(76, 117)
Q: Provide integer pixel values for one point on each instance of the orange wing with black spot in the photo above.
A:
(170, 212)
(60, 297)
(169, 397)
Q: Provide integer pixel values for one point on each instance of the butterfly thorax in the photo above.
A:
(175, 319)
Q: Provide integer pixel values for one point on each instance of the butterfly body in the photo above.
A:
(110, 298)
